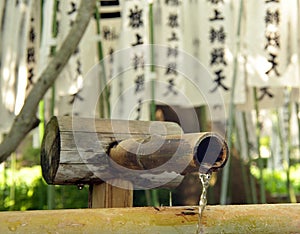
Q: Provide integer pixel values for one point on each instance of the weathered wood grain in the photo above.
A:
(88, 151)
(74, 150)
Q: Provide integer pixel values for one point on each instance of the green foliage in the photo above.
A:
(139, 198)
(26, 190)
(30, 157)
(275, 181)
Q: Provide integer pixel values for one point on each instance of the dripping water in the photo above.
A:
(204, 178)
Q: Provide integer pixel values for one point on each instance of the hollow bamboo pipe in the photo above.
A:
(197, 152)
(276, 218)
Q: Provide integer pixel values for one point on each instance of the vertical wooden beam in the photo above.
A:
(115, 193)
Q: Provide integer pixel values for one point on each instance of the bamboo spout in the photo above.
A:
(198, 152)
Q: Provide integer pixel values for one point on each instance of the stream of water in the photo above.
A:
(204, 178)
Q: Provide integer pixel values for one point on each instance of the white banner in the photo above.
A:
(218, 22)
(270, 43)
(14, 58)
(130, 88)
(267, 97)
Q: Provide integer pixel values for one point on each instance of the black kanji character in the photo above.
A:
(106, 33)
(139, 40)
(111, 54)
(217, 16)
(215, 1)
(218, 56)
(171, 69)
(274, 64)
(218, 35)
(135, 17)
(264, 92)
(58, 5)
(173, 37)
(172, 2)
(109, 33)
(172, 51)
(273, 39)
(171, 87)
(32, 35)
(269, 1)
(218, 81)
(138, 61)
(139, 109)
(73, 8)
(31, 55)
(75, 96)
(272, 17)
(30, 77)
(139, 83)
(173, 20)
(78, 69)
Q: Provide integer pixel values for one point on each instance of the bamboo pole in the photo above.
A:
(260, 162)
(225, 173)
(154, 194)
(51, 188)
(276, 218)
(251, 178)
(104, 100)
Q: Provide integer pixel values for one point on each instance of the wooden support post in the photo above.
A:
(277, 218)
(106, 195)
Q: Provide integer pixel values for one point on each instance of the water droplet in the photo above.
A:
(80, 186)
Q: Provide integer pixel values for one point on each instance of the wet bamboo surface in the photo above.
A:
(276, 218)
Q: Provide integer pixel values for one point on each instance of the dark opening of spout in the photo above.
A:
(211, 154)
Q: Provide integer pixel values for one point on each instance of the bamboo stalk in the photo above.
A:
(240, 136)
(225, 173)
(287, 146)
(104, 96)
(252, 181)
(154, 193)
(298, 119)
(152, 66)
(260, 162)
(12, 191)
(51, 188)
(279, 218)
